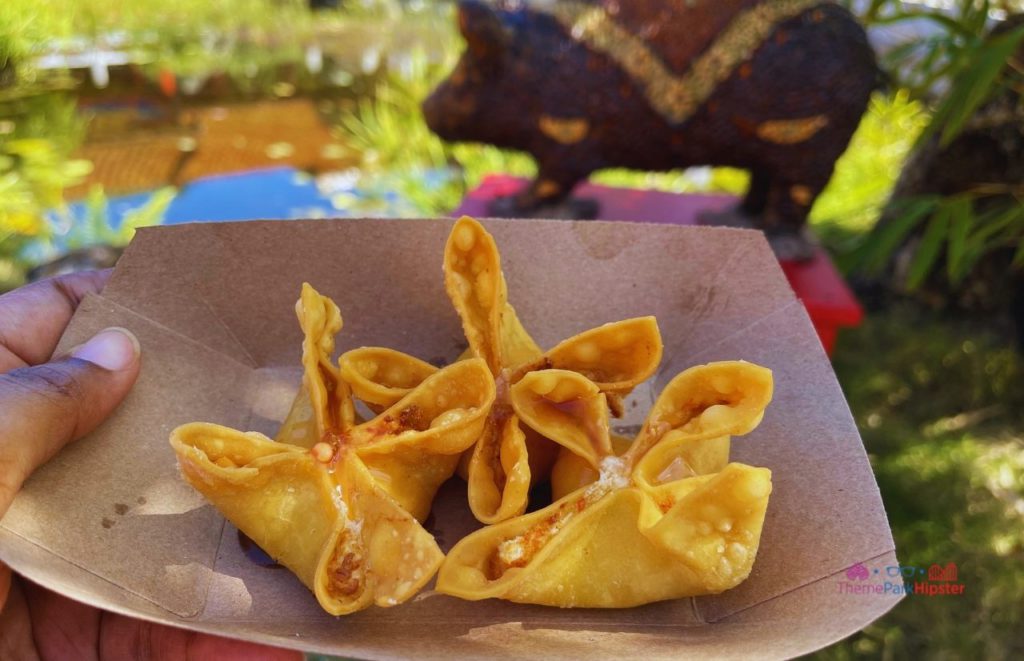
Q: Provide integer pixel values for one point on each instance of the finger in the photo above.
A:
(61, 628)
(65, 629)
(43, 408)
(33, 318)
(16, 626)
(5, 583)
(126, 639)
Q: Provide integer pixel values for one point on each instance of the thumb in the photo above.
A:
(43, 408)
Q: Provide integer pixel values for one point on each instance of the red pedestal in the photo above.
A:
(829, 301)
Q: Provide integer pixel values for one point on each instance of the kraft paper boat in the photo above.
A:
(109, 520)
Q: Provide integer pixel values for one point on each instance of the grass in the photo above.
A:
(940, 408)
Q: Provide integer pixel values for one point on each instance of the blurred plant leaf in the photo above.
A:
(948, 23)
(95, 226)
(927, 253)
(986, 232)
(151, 213)
(1018, 256)
(873, 255)
(973, 86)
(994, 224)
(961, 214)
(866, 174)
(399, 154)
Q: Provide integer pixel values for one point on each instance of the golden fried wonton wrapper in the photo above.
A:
(329, 523)
(312, 413)
(380, 377)
(508, 458)
(651, 527)
(426, 417)
(571, 471)
(335, 501)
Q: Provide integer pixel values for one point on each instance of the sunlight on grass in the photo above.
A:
(952, 479)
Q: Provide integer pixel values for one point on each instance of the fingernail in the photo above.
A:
(112, 349)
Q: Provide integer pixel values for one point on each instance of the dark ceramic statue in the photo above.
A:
(776, 87)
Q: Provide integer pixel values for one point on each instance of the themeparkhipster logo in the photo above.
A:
(936, 580)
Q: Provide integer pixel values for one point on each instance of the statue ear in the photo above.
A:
(483, 30)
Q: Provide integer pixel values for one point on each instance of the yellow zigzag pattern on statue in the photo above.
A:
(677, 98)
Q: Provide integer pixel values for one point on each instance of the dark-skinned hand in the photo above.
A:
(46, 402)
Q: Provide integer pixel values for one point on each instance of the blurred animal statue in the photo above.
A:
(776, 87)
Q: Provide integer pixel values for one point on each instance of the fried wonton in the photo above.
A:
(338, 502)
(571, 471)
(509, 457)
(315, 408)
(425, 417)
(380, 377)
(658, 523)
(327, 521)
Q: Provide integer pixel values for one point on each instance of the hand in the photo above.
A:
(47, 402)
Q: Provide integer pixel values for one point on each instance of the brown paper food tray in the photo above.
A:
(110, 522)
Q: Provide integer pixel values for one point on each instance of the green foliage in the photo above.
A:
(868, 171)
(249, 40)
(49, 115)
(381, 9)
(94, 227)
(962, 229)
(194, 37)
(981, 73)
(977, 66)
(960, 32)
(14, 44)
(397, 151)
(24, 26)
(940, 407)
(40, 131)
(33, 175)
(140, 22)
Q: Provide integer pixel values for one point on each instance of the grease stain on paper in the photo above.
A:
(602, 241)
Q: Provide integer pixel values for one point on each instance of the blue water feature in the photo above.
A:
(281, 193)
(276, 193)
